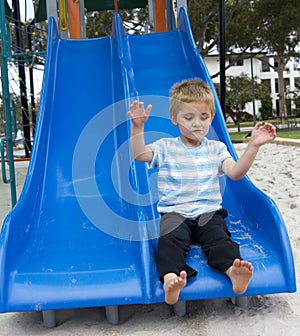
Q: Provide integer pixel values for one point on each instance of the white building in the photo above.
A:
(262, 72)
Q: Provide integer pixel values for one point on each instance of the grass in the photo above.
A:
(289, 134)
(242, 124)
(285, 133)
(238, 136)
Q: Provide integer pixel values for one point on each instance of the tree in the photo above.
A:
(252, 26)
(266, 110)
(272, 26)
(204, 19)
(239, 93)
(98, 24)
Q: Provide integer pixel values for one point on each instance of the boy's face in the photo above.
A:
(193, 120)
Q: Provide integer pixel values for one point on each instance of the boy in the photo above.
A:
(188, 186)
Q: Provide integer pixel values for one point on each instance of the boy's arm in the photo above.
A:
(139, 151)
(139, 116)
(261, 135)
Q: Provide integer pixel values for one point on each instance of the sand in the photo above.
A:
(277, 172)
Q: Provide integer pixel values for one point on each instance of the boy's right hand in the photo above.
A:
(138, 114)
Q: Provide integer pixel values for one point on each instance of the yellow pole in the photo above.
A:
(63, 15)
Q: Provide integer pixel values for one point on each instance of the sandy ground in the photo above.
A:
(277, 172)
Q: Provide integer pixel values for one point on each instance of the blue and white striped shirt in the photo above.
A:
(188, 178)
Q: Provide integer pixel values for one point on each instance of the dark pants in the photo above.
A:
(177, 233)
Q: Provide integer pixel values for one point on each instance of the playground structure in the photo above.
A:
(20, 57)
(20, 61)
(76, 238)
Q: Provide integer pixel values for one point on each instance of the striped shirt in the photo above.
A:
(188, 178)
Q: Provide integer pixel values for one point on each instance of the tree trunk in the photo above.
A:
(281, 90)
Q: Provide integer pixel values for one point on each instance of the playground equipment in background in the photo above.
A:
(19, 58)
(70, 17)
(74, 240)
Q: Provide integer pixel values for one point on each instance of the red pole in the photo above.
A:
(116, 5)
(74, 19)
(160, 16)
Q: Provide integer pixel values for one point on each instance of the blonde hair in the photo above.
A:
(189, 91)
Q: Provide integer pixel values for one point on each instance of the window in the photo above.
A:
(236, 61)
(265, 67)
(296, 63)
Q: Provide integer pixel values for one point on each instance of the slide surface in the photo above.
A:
(84, 231)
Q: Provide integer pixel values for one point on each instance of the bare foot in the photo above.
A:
(173, 285)
(240, 274)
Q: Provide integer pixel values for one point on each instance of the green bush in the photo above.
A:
(265, 110)
(296, 111)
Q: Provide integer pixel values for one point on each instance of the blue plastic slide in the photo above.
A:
(85, 228)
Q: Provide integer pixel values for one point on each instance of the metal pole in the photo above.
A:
(222, 56)
(6, 104)
(31, 81)
(52, 10)
(179, 4)
(82, 18)
(169, 14)
(22, 78)
(151, 14)
(253, 92)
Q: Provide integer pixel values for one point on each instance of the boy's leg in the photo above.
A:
(222, 253)
(173, 246)
(240, 274)
(173, 285)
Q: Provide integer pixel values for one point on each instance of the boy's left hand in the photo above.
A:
(263, 133)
